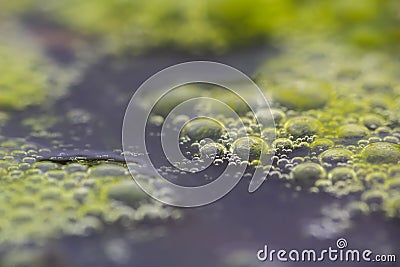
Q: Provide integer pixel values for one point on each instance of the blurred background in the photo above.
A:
(69, 68)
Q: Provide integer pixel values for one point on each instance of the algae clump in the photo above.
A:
(249, 148)
(22, 83)
(303, 95)
(303, 126)
(381, 153)
(201, 128)
(306, 174)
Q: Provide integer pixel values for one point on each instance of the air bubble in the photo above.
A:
(201, 128)
(381, 152)
(334, 156)
(352, 132)
(212, 150)
(303, 126)
(342, 174)
(303, 95)
(249, 148)
(307, 173)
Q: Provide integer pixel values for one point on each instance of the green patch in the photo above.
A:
(354, 135)
(23, 82)
(201, 128)
(249, 148)
(37, 193)
(381, 152)
(303, 126)
(306, 174)
(212, 150)
(218, 25)
(303, 95)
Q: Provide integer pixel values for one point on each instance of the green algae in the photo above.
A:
(351, 109)
(278, 116)
(352, 131)
(41, 192)
(174, 97)
(321, 145)
(306, 174)
(373, 121)
(303, 126)
(342, 174)
(373, 179)
(22, 83)
(201, 128)
(127, 192)
(40, 124)
(282, 143)
(303, 95)
(212, 150)
(219, 25)
(249, 148)
(335, 156)
(381, 152)
(30, 77)
(357, 139)
(106, 170)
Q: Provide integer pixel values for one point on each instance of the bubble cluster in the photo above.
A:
(342, 174)
(29, 76)
(212, 150)
(349, 142)
(75, 198)
(335, 109)
(334, 131)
